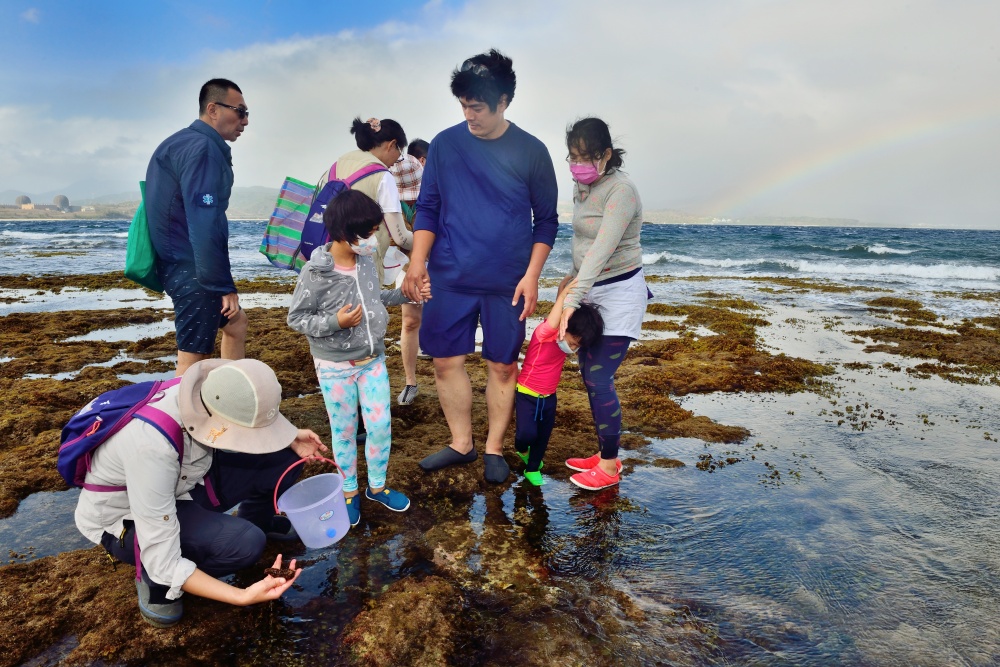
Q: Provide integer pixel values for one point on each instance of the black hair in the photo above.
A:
(486, 78)
(587, 324)
(214, 90)
(418, 148)
(367, 137)
(591, 137)
(351, 215)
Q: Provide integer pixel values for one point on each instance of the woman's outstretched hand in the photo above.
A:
(271, 588)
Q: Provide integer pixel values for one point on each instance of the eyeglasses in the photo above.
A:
(476, 68)
(401, 155)
(242, 112)
(582, 159)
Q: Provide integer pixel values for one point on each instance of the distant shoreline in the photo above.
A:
(772, 223)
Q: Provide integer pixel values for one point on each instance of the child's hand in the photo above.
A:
(425, 290)
(348, 318)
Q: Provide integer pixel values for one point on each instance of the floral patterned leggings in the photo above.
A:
(343, 385)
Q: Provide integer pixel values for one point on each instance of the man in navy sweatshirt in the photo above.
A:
(188, 183)
(485, 223)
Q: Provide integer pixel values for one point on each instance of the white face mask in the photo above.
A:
(365, 247)
(564, 346)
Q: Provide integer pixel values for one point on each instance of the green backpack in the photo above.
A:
(140, 257)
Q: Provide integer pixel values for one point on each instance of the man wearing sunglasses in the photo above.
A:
(188, 183)
(486, 220)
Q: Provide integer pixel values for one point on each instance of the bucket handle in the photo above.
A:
(299, 462)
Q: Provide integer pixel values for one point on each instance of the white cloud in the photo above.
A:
(31, 15)
(877, 111)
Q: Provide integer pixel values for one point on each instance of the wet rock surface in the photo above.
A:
(462, 594)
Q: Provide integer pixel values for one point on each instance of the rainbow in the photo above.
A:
(864, 146)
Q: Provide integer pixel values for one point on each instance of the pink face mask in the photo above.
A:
(584, 173)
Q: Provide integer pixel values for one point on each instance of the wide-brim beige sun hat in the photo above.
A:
(233, 405)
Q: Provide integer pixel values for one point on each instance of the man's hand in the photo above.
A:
(307, 444)
(528, 288)
(348, 318)
(417, 284)
(230, 304)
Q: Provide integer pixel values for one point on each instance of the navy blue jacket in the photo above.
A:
(188, 183)
(488, 202)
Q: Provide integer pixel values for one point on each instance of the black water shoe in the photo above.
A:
(447, 457)
(497, 469)
(281, 529)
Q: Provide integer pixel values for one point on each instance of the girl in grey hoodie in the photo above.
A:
(340, 307)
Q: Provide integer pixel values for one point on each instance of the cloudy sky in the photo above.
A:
(886, 111)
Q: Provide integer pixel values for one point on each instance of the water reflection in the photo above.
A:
(42, 526)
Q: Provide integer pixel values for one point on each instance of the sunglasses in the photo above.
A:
(476, 68)
(240, 111)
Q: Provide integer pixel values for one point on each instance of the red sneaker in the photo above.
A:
(583, 465)
(594, 479)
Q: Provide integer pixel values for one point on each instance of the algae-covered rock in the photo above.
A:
(413, 623)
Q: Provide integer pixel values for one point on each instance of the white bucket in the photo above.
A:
(316, 507)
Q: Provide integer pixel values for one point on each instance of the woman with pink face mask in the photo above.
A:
(607, 265)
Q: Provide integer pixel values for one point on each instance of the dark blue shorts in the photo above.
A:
(448, 326)
(197, 312)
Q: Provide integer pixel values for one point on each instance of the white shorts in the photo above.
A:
(621, 304)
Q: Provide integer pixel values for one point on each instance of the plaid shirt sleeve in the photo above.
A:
(408, 174)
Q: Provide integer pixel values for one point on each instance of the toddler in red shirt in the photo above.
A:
(535, 401)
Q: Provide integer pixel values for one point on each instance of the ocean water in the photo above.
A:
(838, 538)
(925, 260)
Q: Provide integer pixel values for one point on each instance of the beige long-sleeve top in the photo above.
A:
(607, 222)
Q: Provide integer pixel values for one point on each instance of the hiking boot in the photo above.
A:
(407, 395)
(392, 499)
(583, 465)
(353, 510)
(158, 615)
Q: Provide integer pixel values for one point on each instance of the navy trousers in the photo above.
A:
(536, 415)
(219, 543)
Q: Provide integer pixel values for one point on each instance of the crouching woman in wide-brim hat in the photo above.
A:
(171, 521)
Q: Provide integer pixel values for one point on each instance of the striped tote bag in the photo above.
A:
(283, 235)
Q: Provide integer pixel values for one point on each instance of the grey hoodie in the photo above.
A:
(321, 291)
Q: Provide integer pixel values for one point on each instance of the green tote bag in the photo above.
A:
(140, 257)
